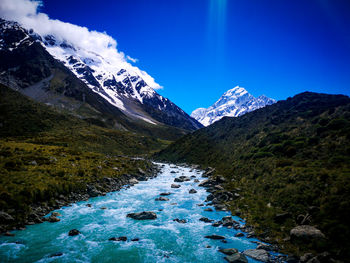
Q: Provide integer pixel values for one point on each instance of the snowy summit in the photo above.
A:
(232, 103)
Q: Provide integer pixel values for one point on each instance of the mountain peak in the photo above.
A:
(233, 103)
(236, 91)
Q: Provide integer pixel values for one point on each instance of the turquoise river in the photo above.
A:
(160, 240)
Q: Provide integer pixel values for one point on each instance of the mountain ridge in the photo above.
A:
(31, 63)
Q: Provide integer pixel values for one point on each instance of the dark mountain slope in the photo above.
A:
(23, 119)
(291, 157)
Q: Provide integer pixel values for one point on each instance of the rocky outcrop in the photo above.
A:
(305, 234)
(145, 215)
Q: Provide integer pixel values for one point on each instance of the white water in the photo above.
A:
(161, 240)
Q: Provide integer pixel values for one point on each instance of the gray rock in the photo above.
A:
(228, 251)
(305, 233)
(145, 215)
(258, 254)
(133, 181)
(236, 258)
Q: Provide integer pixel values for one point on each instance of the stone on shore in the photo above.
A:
(257, 254)
(236, 258)
(145, 215)
(305, 233)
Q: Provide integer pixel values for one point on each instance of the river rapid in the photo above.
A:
(160, 240)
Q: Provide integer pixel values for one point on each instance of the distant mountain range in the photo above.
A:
(57, 73)
(232, 103)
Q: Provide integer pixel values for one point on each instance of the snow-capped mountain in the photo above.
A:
(122, 85)
(232, 103)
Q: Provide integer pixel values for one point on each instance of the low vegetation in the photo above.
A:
(45, 154)
(290, 158)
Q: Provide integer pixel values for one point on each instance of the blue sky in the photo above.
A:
(198, 49)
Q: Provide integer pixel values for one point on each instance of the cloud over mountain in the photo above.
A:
(27, 13)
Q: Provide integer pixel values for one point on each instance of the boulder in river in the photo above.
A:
(122, 238)
(206, 220)
(216, 224)
(175, 186)
(161, 198)
(305, 233)
(74, 232)
(192, 191)
(257, 254)
(145, 215)
(181, 221)
(216, 237)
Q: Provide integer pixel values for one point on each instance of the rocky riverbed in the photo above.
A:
(136, 225)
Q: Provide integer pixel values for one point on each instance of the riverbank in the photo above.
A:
(37, 179)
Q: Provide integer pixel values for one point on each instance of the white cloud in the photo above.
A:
(26, 13)
(133, 60)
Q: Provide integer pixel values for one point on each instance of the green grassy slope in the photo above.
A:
(293, 156)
